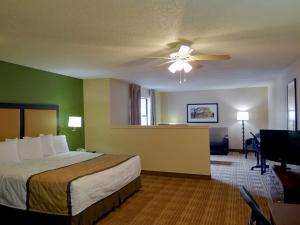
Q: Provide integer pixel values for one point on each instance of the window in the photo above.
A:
(145, 111)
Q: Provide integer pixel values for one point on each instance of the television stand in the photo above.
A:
(290, 181)
(282, 167)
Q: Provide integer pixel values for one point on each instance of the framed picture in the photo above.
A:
(202, 113)
(292, 105)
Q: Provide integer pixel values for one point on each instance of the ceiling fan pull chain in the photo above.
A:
(180, 79)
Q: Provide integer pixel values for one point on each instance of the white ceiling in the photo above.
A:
(114, 38)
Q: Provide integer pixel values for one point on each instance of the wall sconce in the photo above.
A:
(74, 122)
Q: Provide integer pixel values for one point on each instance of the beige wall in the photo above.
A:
(254, 100)
(158, 107)
(96, 94)
(167, 149)
(278, 97)
(119, 92)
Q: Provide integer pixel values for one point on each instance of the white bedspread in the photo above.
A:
(84, 191)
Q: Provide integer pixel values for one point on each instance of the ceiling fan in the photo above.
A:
(184, 59)
(180, 56)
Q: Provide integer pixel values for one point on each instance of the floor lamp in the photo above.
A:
(243, 116)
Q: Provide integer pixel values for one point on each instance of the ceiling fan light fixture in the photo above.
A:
(173, 55)
(187, 67)
(179, 65)
(183, 50)
(183, 60)
(172, 68)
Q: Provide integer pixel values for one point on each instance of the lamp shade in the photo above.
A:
(172, 68)
(242, 116)
(180, 65)
(74, 121)
(292, 115)
(187, 67)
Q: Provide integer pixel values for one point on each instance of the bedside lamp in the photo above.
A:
(243, 116)
(74, 122)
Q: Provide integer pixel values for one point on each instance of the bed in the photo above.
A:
(67, 188)
(102, 190)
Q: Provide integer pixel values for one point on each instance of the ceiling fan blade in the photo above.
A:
(164, 63)
(148, 58)
(190, 51)
(184, 50)
(176, 44)
(157, 57)
(195, 64)
(210, 57)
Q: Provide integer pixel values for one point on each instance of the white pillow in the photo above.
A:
(9, 152)
(11, 139)
(60, 144)
(47, 145)
(27, 138)
(30, 148)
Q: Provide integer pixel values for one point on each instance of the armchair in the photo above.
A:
(219, 142)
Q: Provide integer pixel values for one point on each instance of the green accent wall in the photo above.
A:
(19, 84)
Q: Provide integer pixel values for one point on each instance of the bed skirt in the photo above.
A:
(87, 217)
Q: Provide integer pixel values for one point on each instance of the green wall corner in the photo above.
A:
(20, 84)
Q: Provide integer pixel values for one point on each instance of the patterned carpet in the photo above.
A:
(234, 170)
(181, 201)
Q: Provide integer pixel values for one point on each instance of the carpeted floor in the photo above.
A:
(180, 201)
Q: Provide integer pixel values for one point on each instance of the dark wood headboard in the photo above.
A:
(19, 120)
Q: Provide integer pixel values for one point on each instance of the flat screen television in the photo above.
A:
(280, 146)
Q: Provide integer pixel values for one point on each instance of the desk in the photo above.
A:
(284, 214)
(290, 180)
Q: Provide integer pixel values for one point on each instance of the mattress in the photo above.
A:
(85, 191)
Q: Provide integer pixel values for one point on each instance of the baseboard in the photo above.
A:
(180, 175)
